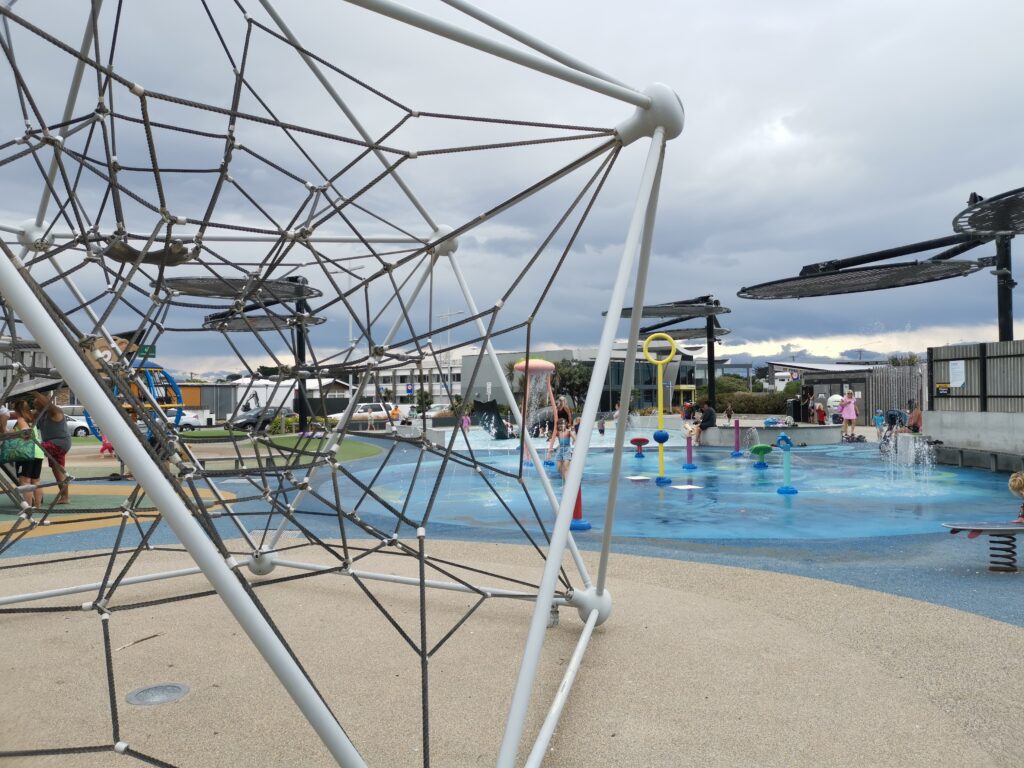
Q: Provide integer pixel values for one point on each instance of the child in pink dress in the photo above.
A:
(848, 410)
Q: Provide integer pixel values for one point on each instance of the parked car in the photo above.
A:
(437, 410)
(371, 412)
(77, 425)
(260, 418)
(188, 421)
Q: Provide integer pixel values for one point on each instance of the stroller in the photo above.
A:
(894, 420)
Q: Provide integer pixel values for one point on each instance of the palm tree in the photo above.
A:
(514, 377)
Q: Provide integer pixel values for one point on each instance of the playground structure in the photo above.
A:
(162, 389)
(120, 233)
(660, 436)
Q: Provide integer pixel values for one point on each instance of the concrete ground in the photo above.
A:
(699, 665)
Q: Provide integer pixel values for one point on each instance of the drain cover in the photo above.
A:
(164, 693)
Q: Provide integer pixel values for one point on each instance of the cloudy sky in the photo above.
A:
(814, 131)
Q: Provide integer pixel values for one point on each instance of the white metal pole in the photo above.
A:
(127, 581)
(15, 286)
(547, 730)
(627, 378)
(335, 437)
(533, 42)
(473, 40)
(349, 114)
(69, 108)
(517, 416)
(450, 586)
(445, 316)
(383, 239)
(535, 638)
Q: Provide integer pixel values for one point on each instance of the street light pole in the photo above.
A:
(448, 344)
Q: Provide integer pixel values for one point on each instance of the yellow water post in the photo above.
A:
(661, 436)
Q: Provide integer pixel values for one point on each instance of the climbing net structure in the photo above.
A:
(160, 198)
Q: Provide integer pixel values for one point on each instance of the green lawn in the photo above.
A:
(348, 451)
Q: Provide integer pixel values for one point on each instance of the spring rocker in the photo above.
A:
(661, 436)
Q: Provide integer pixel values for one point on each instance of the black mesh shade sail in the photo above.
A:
(859, 279)
(1003, 214)
(685, 334)
(241, 288)
(680, 310)
(259, 322)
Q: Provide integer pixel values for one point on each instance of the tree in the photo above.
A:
(726, 384)
(730, 382)
(909, 359)
(761, 372)
(515, 378)
(572, 377)
(423, 399)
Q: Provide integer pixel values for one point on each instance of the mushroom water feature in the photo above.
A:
(538, 375)
(538, 382)
(639, 443)
(661, 435)
(760, 451)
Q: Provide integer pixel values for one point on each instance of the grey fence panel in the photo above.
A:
(993, 373)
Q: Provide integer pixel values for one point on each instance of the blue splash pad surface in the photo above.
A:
(843, 492)
(856, 520)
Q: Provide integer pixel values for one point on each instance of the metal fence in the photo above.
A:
(977, 377)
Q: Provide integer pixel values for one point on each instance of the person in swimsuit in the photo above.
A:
(560, 447)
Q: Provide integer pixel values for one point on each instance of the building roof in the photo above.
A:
(825, 367)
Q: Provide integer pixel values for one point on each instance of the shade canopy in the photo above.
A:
(860, 279)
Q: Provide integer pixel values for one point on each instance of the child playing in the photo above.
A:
(564, 436)
(879, 421)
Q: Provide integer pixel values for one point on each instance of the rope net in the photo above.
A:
(199, 209)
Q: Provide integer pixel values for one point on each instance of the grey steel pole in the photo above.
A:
(1004, 288)
(18, 290)
(711, 359)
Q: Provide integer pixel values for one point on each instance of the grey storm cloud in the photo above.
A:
(814, 132)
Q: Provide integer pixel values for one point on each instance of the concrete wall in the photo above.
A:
(993, 432)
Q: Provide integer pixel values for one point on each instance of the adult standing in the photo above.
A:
(915, 421)
(29, 470)
(56, 441)
(848, 411)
